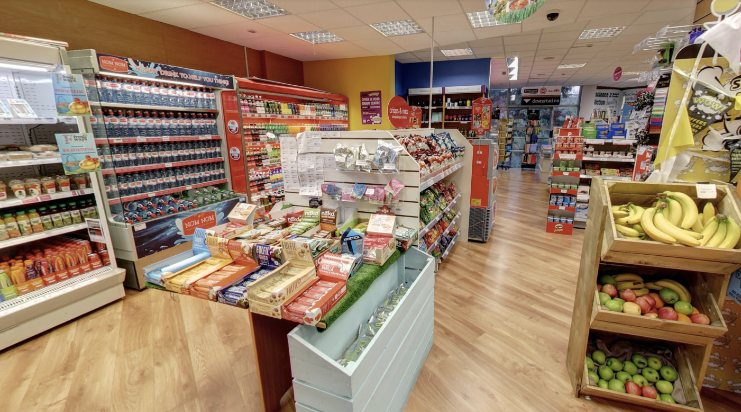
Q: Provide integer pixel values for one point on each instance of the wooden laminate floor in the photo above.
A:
(502, 316)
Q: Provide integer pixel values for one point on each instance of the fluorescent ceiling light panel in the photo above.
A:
(252, 9)
(571, 66)
(601, 33)
(398, 28)
(458, 52)
(317, 37)
(483, 19)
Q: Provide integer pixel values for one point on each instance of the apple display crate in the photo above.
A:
(34, 312)
(706, 272)
(383, 376)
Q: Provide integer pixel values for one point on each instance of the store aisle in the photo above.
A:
(503, 311)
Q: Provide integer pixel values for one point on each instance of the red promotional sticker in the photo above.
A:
(618, 73)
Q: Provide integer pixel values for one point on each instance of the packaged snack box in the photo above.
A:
(242, 213)
(381, 225)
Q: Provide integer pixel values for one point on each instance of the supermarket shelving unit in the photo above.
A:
(32, 313)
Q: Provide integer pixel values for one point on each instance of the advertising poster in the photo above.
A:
(512, 11)
(370, 107)
(481, 121)
(399, 112)
(69, 94)
(608, 103)
(415, 117)
(143, 68)
(78, 152)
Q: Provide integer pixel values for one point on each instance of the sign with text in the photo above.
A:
(69, 94)
(541, 96)
(399, 112)
(481, 120)
(415, 117)
(78, 152)
(145, 69)
(371, 110)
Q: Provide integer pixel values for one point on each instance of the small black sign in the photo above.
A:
(541, 101)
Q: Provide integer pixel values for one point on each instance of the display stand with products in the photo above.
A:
(452, 106)
(484, 183)
(56, 256)
(676, 341)
(161, 141)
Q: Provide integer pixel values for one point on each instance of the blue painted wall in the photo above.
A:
(445, 74)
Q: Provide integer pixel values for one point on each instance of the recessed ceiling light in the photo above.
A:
(571, 66)
(483, 19)
(252, 9)
(317, 37)
(398, 28)
(600, 33)
(458, 52)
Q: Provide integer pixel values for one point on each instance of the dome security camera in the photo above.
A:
(552, 15)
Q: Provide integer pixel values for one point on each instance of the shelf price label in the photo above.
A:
(141, 139)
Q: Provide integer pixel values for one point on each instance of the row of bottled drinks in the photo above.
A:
(119, 156)
(143, 123)
(130, 184)
(158, 206)
(109, 89)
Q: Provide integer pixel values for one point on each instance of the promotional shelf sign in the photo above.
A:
(370, 107)
(481, 121)
(78, 152)
(415, 117)
(135, 67)
(399, 112)
(69, 94)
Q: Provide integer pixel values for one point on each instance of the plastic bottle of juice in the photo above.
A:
(11, 225)
(75, 213)
(35, 219)
(46, 218)
(56, 217)
(24, 223)
(64, 212)
(4, 232)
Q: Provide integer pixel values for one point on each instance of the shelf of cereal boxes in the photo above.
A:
(437, 218)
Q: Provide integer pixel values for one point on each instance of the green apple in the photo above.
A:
(590, 363)
(623, 376)
(598, 357)
(664, 387)
(650, 374)
(685, 308)
(640, 380)
(665, 397)
(668, 373)
(605, 372)
(654, 363)
(630, 367)
(615, 364)
(604, 298)
(668, 296)
(619, 300)
(639, 360)
(616, 385)
(606, 279)
(594, 376)
(614, 305)
(602, 384)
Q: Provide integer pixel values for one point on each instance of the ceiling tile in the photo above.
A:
(490, 55)
(304, 6)
(598, 8)
(613, 21)
(426, 54)
(378, 12)
(414, 60)
(579, 25)
(359, 33)
(289, 24)
(237, 31)
(331, 19)
(386, 51)
(493, 42)
(351, 3)
(450, 37)
(521, 47)
(407, 55)
(412, 41)
(670, 4)
(532, 39)
(275, 42)
(561, 36)
(445, 23)
(486, 32)
(144, 6)
(341, 47)
(519, 54)
(191, 17)
(547, 45)
(427, 8)
(483, 50)
(551, 52)
(672, 15)
(382, 43)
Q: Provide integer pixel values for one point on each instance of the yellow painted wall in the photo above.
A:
(349, 77)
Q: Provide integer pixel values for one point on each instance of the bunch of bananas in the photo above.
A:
(674, 218)
(631, 281)
(678, 288)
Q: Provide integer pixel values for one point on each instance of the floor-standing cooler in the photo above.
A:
(483, 187)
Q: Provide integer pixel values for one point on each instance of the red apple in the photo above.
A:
(632, 388)
(651, 315)
(668, 314)
(699, 318)
(610, 290)
(648, 391)
(650, 299)
(643, 303)
(628, 295)
(654, 310)
(599, 288)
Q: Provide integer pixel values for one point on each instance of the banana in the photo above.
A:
(652, 286)
(689, 208)
(707, 212)
(638, 228)
(681, 286)
(626, 230)
(641, 292)
(636, 217)
(630, 285)
(733, 233)
(627, 276)
(675, 212)
(697, 227)
(719, 235)
(665, 226)
(618, 214)
(709, 231)
(652, 231)
(622, 221)
(673, 286)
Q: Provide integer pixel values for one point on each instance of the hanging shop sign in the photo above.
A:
(481, 121)
(78, 152)
(69, 94)
(512, 11)
(617, 74)
(707, 107)
(415, 117)
(541, 96)
(371, 110)
(399, 112)
(143, 68)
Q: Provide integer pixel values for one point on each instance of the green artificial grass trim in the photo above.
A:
(153, 286)
(357, 285)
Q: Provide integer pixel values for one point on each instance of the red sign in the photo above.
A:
(113, 64)
(203, 220)
(481, 120)
(415, 117)
(399, 112)
(230, 117)
(618, 73)
(644, 154)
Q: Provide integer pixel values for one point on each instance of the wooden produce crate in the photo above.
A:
(383, 376)
(616, 248)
